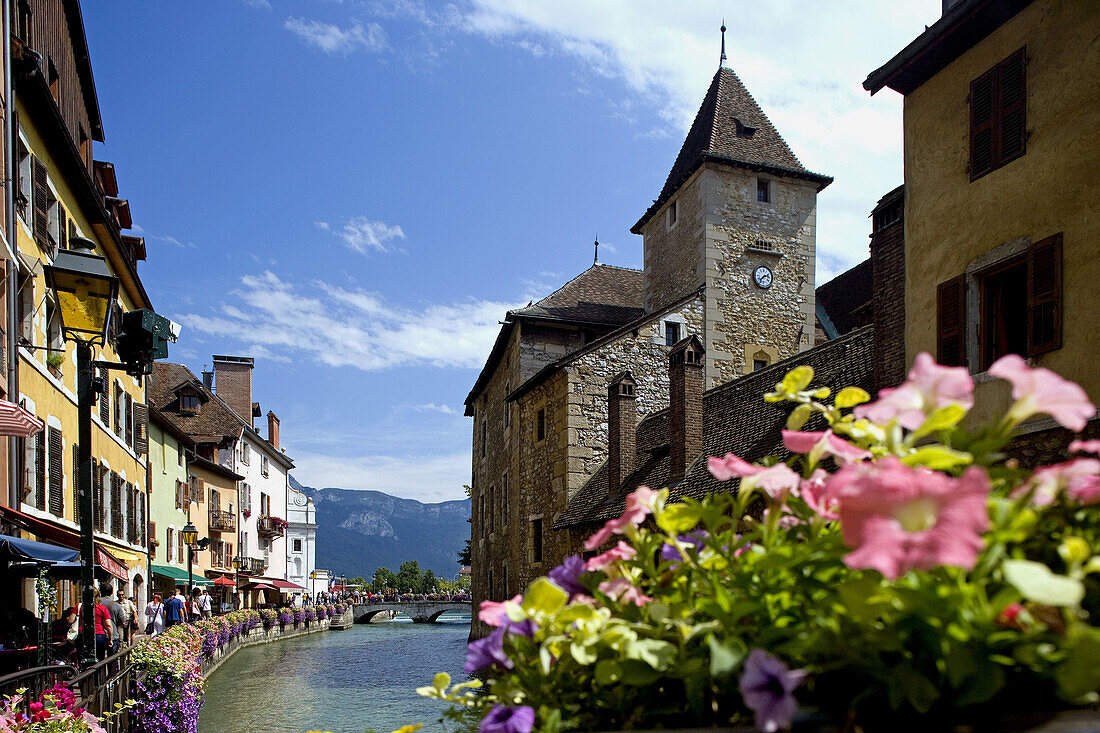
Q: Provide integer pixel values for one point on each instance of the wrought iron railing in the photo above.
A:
(253, 565)
(221, 521)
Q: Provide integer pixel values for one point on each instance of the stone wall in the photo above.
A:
(673, 254)
(742, 234)
(888, 302)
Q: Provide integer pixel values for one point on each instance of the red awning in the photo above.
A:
(14, 420)
(110, 563)
(286, 585)
(222, 580)
(258, 586)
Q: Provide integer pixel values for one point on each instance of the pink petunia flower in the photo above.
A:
(776, 481)
(928, 388)
(823, 443)
(1040, 390)
(639, 504)
(622, 589)
(1079, 478)
(618, 553)
(1085, 446)
(730, 466)
(897, 518)
(813, 493)
(492, 612)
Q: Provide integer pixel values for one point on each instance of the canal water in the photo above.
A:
(364, 678)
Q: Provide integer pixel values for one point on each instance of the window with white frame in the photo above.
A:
(264, 465)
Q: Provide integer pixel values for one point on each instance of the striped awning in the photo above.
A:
(16, 421)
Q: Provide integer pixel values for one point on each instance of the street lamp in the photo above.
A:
(85, 290)
(190, 537)
(236, 581)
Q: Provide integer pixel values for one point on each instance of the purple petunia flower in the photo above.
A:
(527, 627)
(696, 538)
(485, 652)
(503, 719)
(766, 686)
(567, 575)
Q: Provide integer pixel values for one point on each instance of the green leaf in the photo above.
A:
(937, 457)
(679, 518)
(544, 597)
(1036, 581)
(724, 657)
(850, 397)
(798, 417)
(608, 672)
(797, 379)
(945, 417)
(987, 681)
(657, 654)
(639, 674)
(1080, 673)
(583, 653)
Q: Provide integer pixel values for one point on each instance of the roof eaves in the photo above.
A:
(491, 362)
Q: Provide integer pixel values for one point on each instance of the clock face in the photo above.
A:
(762, 276)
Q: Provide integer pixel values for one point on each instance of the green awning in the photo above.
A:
(179, 575)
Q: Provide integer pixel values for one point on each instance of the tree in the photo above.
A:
(383, 578)
(409, 576)
(464, 555)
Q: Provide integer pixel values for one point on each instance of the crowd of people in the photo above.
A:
(390, 595)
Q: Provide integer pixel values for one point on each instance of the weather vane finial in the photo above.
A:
(596, 257)
(722, 60)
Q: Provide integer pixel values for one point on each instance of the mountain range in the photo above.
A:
(360, 531)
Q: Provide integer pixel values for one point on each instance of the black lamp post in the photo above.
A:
(190, 537)
(236, 582)
(85, 291)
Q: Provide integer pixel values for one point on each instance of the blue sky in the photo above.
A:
(355, 192)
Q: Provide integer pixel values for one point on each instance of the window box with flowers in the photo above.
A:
(271, 526)
(894, 572)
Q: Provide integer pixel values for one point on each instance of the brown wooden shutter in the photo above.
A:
(76, 483)
(1012, 107)
(151, 529)
(131, 512)
(40, 470)
(141, 520)
(117, 529)
(118, 410)
(57, 474)
(200, 489)
(105, 401)
(1044, 295)
(982, 109)
(41, 212)
(128, 419)
(62, 227)
(97, 495)
(951, 322)
(141, 427)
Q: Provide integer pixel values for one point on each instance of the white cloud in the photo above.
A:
(362, 234)
(433, 407)
(804, 62)
(333, 39)
(173, 241)
(340, 327)
(429, 478)
(258, 4)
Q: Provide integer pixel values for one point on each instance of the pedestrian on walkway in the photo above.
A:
(118, 617)
(206, 605)
(174, 610)
(130, 607)
(154, 616)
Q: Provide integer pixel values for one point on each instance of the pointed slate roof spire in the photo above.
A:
(731, 128)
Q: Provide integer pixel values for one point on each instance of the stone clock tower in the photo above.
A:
(737, 218)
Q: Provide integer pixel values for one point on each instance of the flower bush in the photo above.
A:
(893, 565)
(54, 712)
(269, 617)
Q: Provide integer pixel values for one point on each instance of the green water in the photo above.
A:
(341, 681)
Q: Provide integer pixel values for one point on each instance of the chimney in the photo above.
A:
(888, 288)
(620, 431)
(685, 406)
(233, 376)
(208, 379)
(273, 430)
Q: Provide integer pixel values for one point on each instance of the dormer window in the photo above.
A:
(189, 404)
(745, 128)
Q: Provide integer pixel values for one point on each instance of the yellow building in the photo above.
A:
(1001, 184)
(61, 193)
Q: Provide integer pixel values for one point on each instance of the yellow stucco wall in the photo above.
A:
(200, 513)
(1053, 188)
(52, 398)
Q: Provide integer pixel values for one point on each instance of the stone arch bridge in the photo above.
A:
(421, 612)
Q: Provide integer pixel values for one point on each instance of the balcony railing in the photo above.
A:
(253, 565)
(222, 521)
(271, 526)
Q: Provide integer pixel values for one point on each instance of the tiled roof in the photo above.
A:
(601, 294)
(735, 420)
(847, 297)
(721, 132)
(213, 421)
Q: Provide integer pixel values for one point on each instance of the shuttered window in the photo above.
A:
(118, 409)
(117, 517)
(40, 471)
(131, 512)
(152, 536)
(951, 322)
(105, 401)
(141, 428)
(998, 120)
(98, 508)
(128, 420)
(57, 474)
(1044, 296)
(41, 208)
(76, 483)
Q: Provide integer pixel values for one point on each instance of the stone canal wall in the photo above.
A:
(261, 635)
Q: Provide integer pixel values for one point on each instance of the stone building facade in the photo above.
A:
(729, 248)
